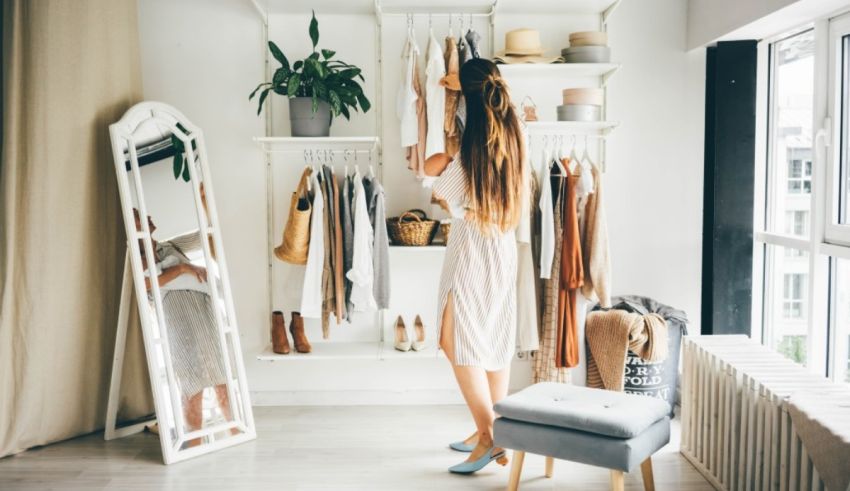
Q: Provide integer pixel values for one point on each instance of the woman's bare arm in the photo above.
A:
(436, 164)
(170, 274)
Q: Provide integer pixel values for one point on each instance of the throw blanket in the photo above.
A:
(611, 334)
(822, 419)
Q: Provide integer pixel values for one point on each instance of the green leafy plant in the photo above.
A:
(180, 165)
(318, 76)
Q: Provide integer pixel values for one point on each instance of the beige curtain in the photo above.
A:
(70, 68)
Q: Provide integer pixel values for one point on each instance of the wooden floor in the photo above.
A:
(388, 448)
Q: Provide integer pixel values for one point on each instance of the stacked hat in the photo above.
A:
(523, 46)
(587, 47)
(581, 105)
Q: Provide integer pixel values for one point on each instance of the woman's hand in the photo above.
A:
(197, 271)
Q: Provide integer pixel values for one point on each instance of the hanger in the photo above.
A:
(586, 169)
(307, 166)
(371, 169)
(573, 157)
(345, 158)
(451, 31)
(585, 156)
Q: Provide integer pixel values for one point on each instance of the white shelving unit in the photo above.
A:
(593, 74)
(273, 144)
(571, 127)
(327, 350)
(561, 70)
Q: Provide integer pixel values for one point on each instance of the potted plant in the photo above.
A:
(319, 87)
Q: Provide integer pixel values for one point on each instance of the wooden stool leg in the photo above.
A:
(550, 466)
(646, 472)
(617, 482)
(516, 470)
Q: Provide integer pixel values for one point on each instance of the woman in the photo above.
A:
(193, 339)
(482, 187)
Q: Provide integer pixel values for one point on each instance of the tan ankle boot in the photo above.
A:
(296, 327)
(280, 343)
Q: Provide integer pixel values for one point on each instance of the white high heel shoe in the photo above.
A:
(419, 332)
(402, 342)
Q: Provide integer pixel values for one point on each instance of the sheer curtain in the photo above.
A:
(70, 68)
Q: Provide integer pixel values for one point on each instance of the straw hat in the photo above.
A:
(523, 42)
(523, 46)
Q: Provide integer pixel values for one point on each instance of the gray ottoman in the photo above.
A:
(607, 429)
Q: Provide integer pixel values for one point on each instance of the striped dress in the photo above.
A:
(479, 272)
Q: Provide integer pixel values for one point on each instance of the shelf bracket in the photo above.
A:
(607, 12)
(607, 75)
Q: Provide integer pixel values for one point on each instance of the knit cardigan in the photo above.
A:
(594, 246)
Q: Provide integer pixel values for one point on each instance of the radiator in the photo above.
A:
(735, 427)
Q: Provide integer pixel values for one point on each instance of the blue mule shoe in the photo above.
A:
(476, 465)
(461, 446)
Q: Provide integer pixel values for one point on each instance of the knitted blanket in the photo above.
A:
(611, 334)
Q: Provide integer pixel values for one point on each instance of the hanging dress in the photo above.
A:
(545, 369)
(479, 274)
(572, 278)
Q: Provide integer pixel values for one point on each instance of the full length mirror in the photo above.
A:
(180, 278)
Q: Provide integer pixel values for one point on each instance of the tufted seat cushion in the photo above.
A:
(602, 412)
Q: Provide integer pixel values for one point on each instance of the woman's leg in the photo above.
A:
(473, 383)
(193, 410)
(224, 404)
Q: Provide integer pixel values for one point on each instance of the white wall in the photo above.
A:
(724, 20)
(204, 57)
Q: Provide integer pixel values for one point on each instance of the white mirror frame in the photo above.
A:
(168, 408)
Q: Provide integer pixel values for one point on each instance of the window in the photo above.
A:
(803, 232)
(799, 174)
(790, 134)
(797, 223)
(786, 301)
(793, 295)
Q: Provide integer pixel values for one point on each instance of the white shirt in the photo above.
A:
(406, 100)
(311, 294)
(435, 98)
(547, 223)
(361, 273)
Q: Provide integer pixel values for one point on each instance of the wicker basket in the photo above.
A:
(412, 228)
(445, 228)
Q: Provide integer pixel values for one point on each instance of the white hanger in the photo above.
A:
(573, 157)
(371, 169)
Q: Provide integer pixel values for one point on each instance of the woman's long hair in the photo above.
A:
(492, 149)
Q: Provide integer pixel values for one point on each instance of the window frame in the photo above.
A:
(838, 149)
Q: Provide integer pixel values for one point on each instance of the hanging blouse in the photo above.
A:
(435, 97)
(361, 273)
(406, 100)
(311, 294)
(416, 152)
(547, 223)
(452, 84)
(472, 40)
(381, 243)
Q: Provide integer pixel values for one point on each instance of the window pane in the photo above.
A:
(786, 301)
(790, 169)
(842, 320)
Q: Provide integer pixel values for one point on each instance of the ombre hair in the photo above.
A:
(492, 150)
